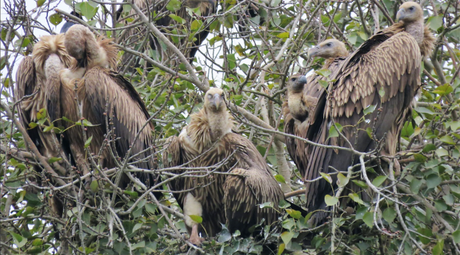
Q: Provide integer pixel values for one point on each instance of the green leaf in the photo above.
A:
(86, 123)
(37, 242)
(330, 200)
(94, 186)
(440, 205)
(389, 214)
(87, 10)
(323, 72)
(283, 35)
(54, 159)
(231, 61)
(424, 110)
(334, 130)
(41, 114)
(40, 2)
(379, 180)
(433, 180)
(443, 90)
(286, 237)
(177, 19)
(456, 236)
(360, 184)
(327, 177)
(323, 83)
(294, 214)
(356, 198)
(369, 109)
(88, 142)
(437, 249)
(283, 204)
(447, 139)
(48, 128)
(174, 5)
(281, 249)
(32, 125)
(132, 194)
(279, 178)
(342, 180)
(18, 239)
(196, 24)
(196, 218)
(435, 22)
(368, 218)
(426, 232)
(266, 205)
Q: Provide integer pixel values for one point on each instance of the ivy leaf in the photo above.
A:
(294, 214)
(342, 180)
(54, 159)
(356, 198)
(88, 142)
(174, 5)
(18, 239)
(327, 177)
(389, 214)
(437, 249)
(41, 114)
(368, 218)
(334, 130)
(279, 178)
(330, 200)
(94, 186)
(324, 72)
(369, 109)
(87, 10)
(281, 248)
(286, 237)
(456, 236)
(379, 180)
(40, 2)
(177, 19)
(196, 218)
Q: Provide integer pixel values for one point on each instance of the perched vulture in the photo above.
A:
(36, 90)
(69, 22)
(39, 102)
(302, 98)
(208, 143)
(384, 72)
(167, 25)
(120, 121)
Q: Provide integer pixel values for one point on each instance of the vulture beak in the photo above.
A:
(313, 51)
(216, 102)
(299, 83)
(401, 14)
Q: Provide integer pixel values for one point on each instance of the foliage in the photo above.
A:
(253, 46)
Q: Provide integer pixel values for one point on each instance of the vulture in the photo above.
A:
(384, 72)
(36, 94)
(39, 101)
(168, 25)
(119, 121)
(302, 98)
(69, 22)
(239, 179)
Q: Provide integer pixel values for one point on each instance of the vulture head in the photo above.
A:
(81, 44)
(215, 100)
(330, 48)
(410, 12)
(69, 22)
(296, 83)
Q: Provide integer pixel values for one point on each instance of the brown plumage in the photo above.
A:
(208, 142)
(166, 24)
(38, 87)
(38, 92)
(110, 103)
(302, 98)
(383, 72)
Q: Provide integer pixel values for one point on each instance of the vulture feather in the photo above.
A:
(209, 143)
(383, 72)
(119, 118)
(168, 25)
(302, 99)
(37, 92)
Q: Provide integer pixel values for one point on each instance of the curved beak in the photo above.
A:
(216, 102)
(400, 15)
(313, 51)
(302, 79)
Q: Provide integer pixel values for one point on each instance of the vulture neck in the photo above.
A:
(219, 122)
(417, 30)
(95, 54)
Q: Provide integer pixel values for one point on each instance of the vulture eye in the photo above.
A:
(328, 44)
(411, 8)
(293, 79)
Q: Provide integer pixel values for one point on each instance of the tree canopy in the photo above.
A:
(252, 47)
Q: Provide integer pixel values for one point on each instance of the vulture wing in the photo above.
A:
(112, 103)
(384, 72)
(26, 85)
(253, 185)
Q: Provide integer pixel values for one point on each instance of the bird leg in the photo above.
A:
(194, 237)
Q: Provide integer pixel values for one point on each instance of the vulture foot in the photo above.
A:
(194, 237)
